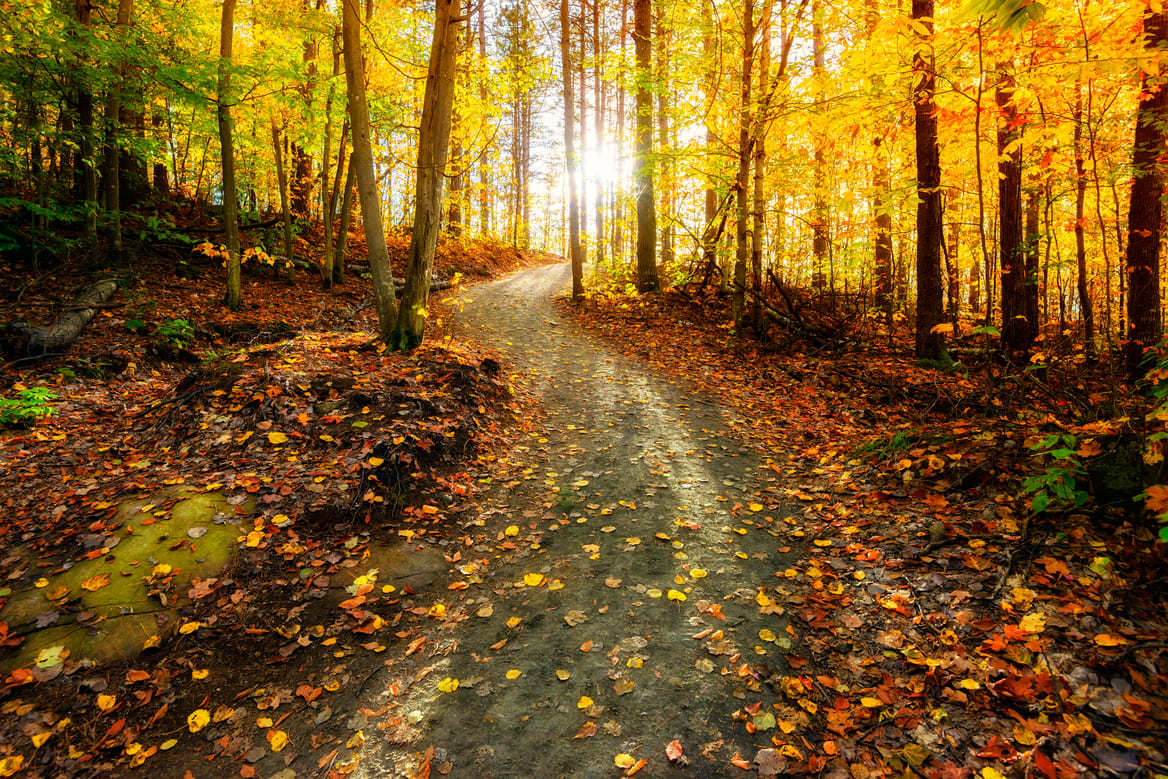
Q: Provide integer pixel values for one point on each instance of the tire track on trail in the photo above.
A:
(656, 532)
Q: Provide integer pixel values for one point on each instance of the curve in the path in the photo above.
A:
(647, 492)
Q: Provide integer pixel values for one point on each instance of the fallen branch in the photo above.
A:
(39, 341)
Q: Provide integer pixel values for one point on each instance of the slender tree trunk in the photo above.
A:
(987, 261)
(883, 238)
(113, 108)
(758, 226)
(326, 195)
(484, 162)
(1145, 216)
(346, 223)
(820, 217)
(598, 127)
(665, 170)
(362, 163)
(282, 183)
(86, 165)
(1033, 242)
(742, 178)
(234, 296)
(575, 251)
(1086, 307)
(646, 208)
(433, 148)
(1011, 258)
(618, 211)
(709, 234)
(929, 343)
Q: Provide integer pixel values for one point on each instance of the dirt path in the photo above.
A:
(640, 522)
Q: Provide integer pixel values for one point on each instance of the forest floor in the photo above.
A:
(666, 551)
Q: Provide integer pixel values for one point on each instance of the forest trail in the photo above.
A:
(651, 475)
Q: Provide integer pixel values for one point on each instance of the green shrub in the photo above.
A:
(26, 408)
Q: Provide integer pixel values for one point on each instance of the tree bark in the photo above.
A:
(113, 108)
(282, 183)
(575, 251)
(742, 177)
(646, 208)
(86, 167)
(1145, 217)
(929, 342)
(433, 148)
(1016, 337)
(362, 163)
(820, 218)
(234, 296)
(1086, 307)
(758, 224)
(346, 223)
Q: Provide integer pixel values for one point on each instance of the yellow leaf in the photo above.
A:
(170, 743)
(438, 610)
(1107, 639)
(277, 739)
(276, 437)
(162, 569)
(95, 583)
(106, 702)
(448, 684)
(198, 719)
(254, 538)
(584, 702)
(11, 764)
(766, 634)
(624, 760)
(375, 461)
(189, 627)
(1035, 622)
(151, 642)
(756, 507)
(512, 530)
(264, 722)
(563, 675)
(871, 703)
(514, 622)
(676, 595)
(533, 579)
(698, 573)
(200, 673)
(969, 684)
(991, 773)
(514, 673)
(41, 738)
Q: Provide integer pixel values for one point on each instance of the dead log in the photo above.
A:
(36, 341)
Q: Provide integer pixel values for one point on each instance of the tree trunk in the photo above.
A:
(37, 341)
(598, 127)
(575, 251)
(1011, 258)
(326, 194)
(433, 147)
(113, 109)
(1086, 310)
(665, 171)
(742, 178)
(86, 167)
(1031, 250)
(1145, 215)
(883, 238)
(362, 163)
(820, 218)
(646, 208)
(758, 225)
(346, 223)
(282, 183)
(929, 343)
(709, 240)
(234, 296)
